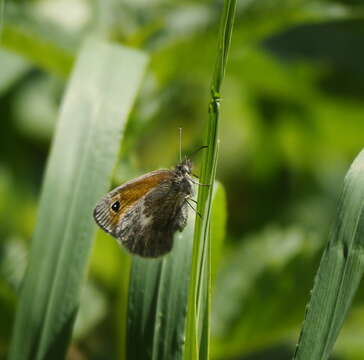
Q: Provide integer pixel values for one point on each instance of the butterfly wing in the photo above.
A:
(111, 209)
(148, 227)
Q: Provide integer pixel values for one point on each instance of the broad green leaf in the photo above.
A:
(158, 294)
(340, 271)
(84, 151)
(158, 301)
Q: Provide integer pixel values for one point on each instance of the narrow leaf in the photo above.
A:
(158, 301)
(158, 296)
(340, 271)
(200, 284)
(84, 151)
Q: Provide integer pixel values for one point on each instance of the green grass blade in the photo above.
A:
(199, 298)
(340, 271)
(84, 151)
(158, 295)
(158, 300)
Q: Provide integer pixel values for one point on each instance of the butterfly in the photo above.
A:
(144, 213)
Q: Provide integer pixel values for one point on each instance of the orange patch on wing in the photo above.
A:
(133, 190)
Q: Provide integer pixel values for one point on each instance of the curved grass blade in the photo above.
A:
(200, 284)
(340, 271)
(84, 151)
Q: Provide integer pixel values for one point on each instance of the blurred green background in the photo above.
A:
(292, 122)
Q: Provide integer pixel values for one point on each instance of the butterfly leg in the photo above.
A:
(197, 183)
(192, 200)
(195, 210)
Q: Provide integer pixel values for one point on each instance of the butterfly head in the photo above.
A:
(184, 167)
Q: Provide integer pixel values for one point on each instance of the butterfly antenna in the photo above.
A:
(197, 150)
(180, 144)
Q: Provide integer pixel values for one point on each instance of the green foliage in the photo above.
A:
(15, 66)
(83, 155)
(291, 123)
(339, 274)
(39, 42)
(273, 261)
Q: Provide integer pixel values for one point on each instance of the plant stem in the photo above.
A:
(199, 312)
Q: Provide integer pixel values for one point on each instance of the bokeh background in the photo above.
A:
(292, 122)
